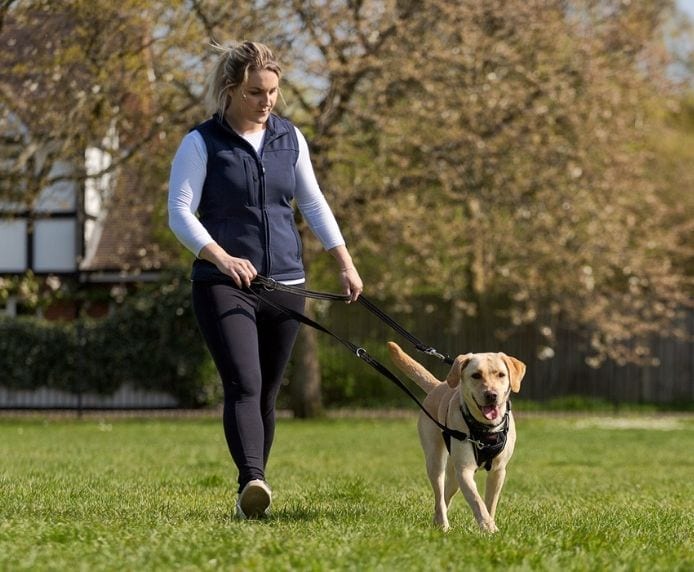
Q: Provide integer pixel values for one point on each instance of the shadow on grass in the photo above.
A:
(298, 514)
(293, 514)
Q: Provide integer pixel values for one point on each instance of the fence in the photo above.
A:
(564, 374)
(126, 397)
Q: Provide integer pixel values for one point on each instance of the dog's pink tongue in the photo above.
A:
(490, 411)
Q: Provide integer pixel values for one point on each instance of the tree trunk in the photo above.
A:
(305, 386)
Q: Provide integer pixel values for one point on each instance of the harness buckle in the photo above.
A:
(270, 284)
(360, 352)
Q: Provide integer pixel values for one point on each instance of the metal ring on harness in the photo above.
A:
(270, 285)
(361, 352)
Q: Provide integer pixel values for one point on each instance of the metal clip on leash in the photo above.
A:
(435, 353)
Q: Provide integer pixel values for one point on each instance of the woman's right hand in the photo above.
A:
(240, 270)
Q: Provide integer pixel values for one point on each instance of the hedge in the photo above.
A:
(150, 341)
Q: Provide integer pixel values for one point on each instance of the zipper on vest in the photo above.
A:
(261, 175)
(266, 218)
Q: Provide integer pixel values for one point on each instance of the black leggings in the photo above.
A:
(250, 343)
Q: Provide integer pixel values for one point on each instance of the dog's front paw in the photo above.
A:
(441, 523)
(489, 527)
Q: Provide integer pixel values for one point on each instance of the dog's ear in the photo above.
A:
(516, 371)
(453, 377)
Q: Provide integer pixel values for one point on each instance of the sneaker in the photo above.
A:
(254, 500)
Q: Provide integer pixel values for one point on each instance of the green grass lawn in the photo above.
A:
(350, 494)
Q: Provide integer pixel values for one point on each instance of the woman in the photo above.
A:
(240, 171)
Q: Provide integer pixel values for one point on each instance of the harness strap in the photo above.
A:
(495, 442)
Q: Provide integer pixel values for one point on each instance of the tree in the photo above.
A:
(332, 51)
(503, 155)
(498, 154)
(511, 156)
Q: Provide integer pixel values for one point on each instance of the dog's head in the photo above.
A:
(486, 380)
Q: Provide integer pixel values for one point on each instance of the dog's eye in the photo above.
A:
(477, 375)
(502, 374)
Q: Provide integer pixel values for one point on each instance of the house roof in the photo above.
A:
(124, 240)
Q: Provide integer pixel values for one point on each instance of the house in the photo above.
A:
(93, 231)
(73, 219)
(69, 213)
(93, 235)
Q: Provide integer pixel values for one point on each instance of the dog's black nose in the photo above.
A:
(491, 396)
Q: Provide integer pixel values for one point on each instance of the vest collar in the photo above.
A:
(274, 127)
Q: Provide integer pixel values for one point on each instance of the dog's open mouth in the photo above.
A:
(490, 412)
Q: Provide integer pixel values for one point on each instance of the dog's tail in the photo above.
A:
(413, 369)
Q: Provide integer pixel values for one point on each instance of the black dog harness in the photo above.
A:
(485, 443)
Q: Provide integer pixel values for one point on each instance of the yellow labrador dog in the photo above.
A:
(473, 400)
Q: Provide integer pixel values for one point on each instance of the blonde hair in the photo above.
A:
(232, 68)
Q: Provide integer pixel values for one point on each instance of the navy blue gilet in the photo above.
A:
(246, 202)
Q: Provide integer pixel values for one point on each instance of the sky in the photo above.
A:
(687, 6)
(686, 46)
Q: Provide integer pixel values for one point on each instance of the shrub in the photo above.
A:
(150, 341)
